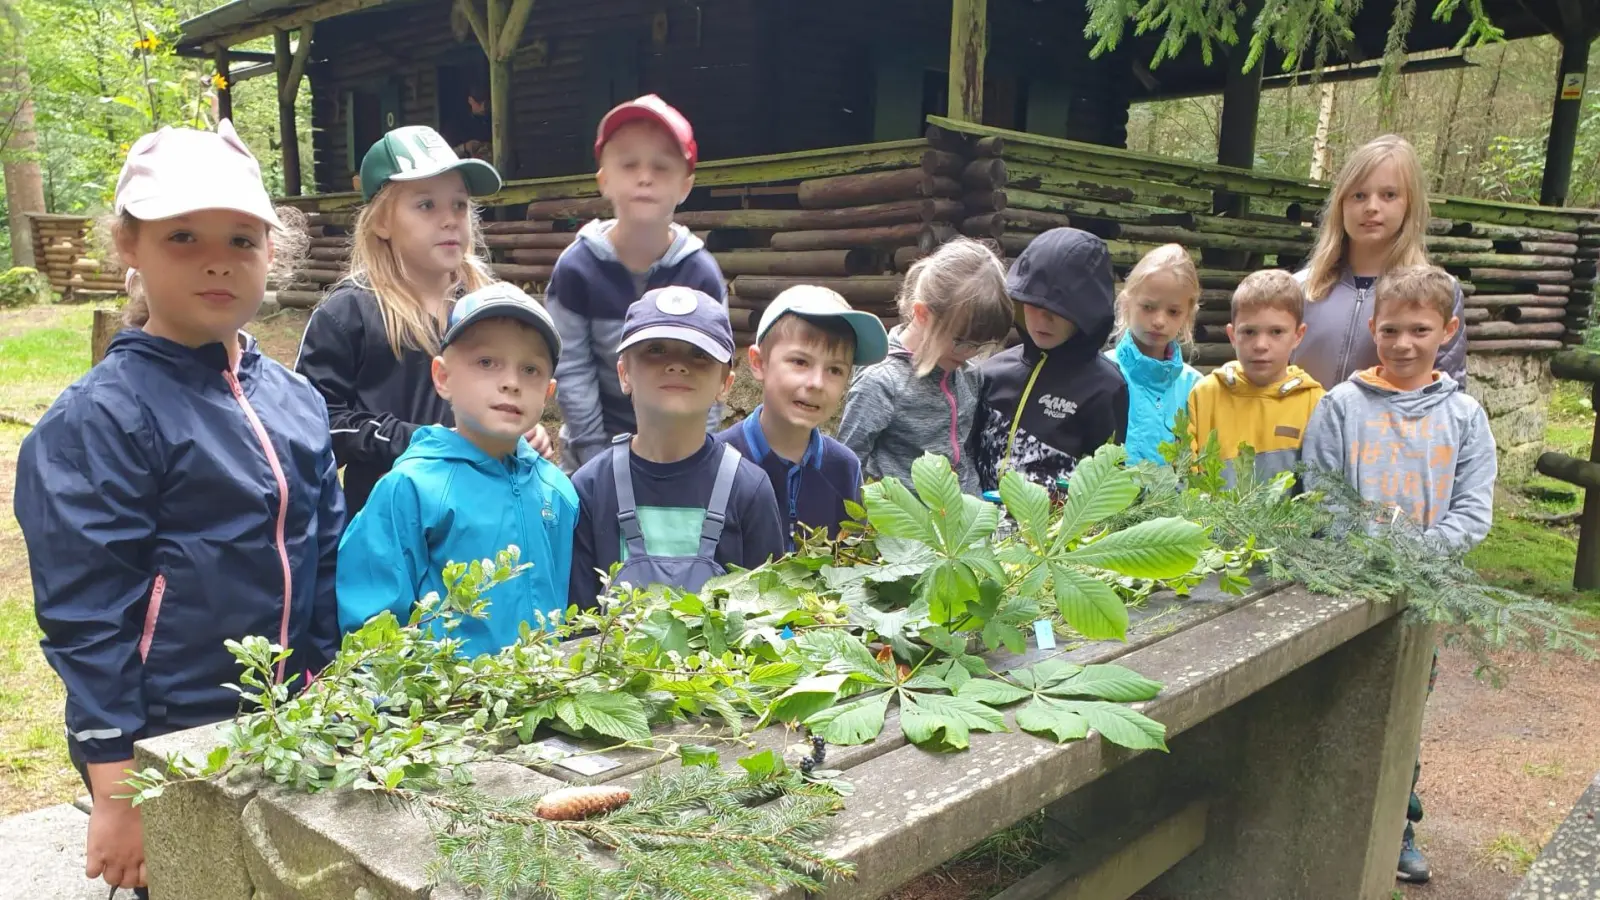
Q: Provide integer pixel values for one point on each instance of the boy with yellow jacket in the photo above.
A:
(1259, 399)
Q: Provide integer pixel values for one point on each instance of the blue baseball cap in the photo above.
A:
(502, 301)
(679, 314)
(811, 302)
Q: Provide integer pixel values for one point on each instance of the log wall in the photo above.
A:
(61, 249)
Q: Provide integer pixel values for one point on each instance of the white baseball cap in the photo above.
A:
(176, 171)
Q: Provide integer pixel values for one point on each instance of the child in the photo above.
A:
(1259, 399)
(807, 343)
(923, 397)
(1054, 398)
(184, 491)
(671, 503)
(369, 345)
(467, 493)
(1407, 436)
(1375, 220)
(1155, 314)
(647, 155)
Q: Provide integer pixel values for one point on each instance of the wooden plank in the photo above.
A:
(1122, 870)
(969, 45)
(290, 21)
(107, 322)
(1570, 469)
(510, 34)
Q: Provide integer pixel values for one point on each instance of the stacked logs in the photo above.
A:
(61, 252)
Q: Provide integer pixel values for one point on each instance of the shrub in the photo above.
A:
(23, 286)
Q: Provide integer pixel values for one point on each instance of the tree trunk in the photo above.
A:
(1446, 140)
(23, 179)
(1319, 142)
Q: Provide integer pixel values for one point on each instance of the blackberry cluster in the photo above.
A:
(819, 755)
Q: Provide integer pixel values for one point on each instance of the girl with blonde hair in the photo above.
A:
(923, 397)
(1155, 318)
(369, 346)
(1375, 221)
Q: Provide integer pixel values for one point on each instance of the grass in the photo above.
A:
(1512, 851)
(1555, 771)
(37, 363)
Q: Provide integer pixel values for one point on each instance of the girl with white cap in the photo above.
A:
(184, 491)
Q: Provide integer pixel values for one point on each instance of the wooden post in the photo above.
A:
(224, 93)
(969, 44)
(1586, 571)
(1236, 145)
(1568, 104)
(499, 90)
(288, 139)
(107, 322)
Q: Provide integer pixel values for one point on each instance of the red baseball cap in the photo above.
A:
(649, 108)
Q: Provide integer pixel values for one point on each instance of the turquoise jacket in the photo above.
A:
(1157, 390)
(447, 501)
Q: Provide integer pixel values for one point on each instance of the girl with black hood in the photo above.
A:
(1054, 398)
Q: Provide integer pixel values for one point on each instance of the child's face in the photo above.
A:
(643, 173)
(429, 223)
(1047, 329)
(670, 378)
(204, 273)
(1158, 313)
(497, 378)
(1263, 339)
(1409, 336)
(1375, 208)
(802, 382)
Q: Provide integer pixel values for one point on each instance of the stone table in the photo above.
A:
(1292, 721)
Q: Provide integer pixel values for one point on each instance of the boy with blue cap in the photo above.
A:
(808, 343)
(669, 502)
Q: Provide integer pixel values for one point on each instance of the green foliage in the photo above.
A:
(22, 286)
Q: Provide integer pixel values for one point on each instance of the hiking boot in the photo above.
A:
(1413, 868)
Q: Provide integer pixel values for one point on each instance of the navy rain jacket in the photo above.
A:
(168, 505)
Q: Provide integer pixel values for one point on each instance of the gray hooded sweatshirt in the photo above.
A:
(1427, 453)
(589, 294)
(1338, 342)
(891, 417)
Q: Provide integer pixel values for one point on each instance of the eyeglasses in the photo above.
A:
(972, 348)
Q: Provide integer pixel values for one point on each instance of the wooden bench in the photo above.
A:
(1568, 868)
(1292, 720)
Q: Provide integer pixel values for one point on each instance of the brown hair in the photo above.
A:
(1167, 259)
(1429, 287)
(374, 266)
(1328, 257)
(1268, 289)
(963, 286)
(289, 243)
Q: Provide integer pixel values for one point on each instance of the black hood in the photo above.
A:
(1067, 272)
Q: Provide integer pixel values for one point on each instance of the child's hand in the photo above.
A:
(115, 849)
(541, 442)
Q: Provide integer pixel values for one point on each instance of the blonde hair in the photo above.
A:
(1429, 287)
(1268, 289)
(1167, 259)
(374, 266)
(289, 242)
(1328, 257)
(963, 286)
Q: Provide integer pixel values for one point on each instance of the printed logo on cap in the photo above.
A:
(679, 302)
(421, 145)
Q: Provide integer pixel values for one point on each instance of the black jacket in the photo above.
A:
(1078, 399)
(375, 402)
(169, 505)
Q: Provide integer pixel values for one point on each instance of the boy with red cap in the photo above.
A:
(646, 154)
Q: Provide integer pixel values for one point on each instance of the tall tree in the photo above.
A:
(18, 142)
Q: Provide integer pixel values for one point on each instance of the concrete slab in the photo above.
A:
(49, 844)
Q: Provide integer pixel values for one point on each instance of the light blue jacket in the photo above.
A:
(447, 501)
(1157, 390)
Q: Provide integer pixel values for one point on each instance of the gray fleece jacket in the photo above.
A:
(1338, 342)
(891, 416)
(1427, 453)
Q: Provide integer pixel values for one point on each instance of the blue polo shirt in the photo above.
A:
(813, 490)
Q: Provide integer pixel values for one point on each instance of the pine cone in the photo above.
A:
(573, 803)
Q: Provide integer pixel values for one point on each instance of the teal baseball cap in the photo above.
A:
(416, 152)
(810, 301)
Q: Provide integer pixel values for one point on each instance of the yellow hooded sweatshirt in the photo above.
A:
(1271, 419)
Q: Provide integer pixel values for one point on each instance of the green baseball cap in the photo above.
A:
(416, 152)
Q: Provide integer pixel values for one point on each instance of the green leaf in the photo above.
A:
(994, 693)
(763, 764)
(925, 681)
(1043, 675)
(1028, 504)
(940, 489)
(1047, 716)
(949, 586)
(942, 640)
(997, 633)
(982, 518)
(902, 552)
(852, 657)
(698, 755)
(1119, 724)
(1159, 548)
(896, 513)
(856, 722)
(807, 698)
(1105, 683)
(938, 722)
(1089, 605)
(1099, 488)
(217, 758)
(613, 714)
(668, 631)
(774, 675)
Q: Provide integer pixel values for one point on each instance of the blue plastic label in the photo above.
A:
(1045, 634)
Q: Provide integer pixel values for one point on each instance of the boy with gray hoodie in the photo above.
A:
(1403, 434)
(647, 153)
